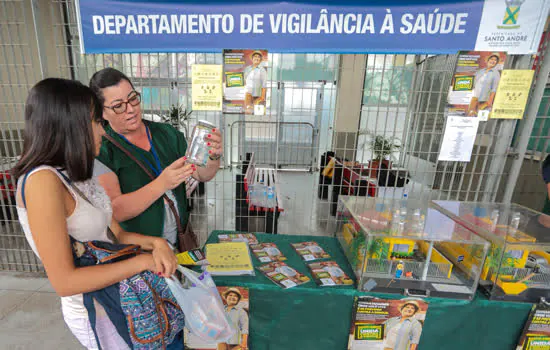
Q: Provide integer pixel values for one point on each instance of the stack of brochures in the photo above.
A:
(267, 252)
(283, 275)
(249, 238)
(229, 259)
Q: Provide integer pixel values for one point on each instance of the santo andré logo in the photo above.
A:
(511, 14)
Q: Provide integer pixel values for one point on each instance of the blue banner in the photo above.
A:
(170, 26)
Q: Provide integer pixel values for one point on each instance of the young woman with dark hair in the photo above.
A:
(63, 132)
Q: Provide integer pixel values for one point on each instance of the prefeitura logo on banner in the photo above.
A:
(511, 14)
(514, 26)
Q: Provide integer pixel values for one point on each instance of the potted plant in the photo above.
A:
(177, 117)
(383, 149)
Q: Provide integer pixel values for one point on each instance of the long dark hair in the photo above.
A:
(58, 128)
(104, 78)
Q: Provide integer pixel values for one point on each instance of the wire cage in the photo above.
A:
(318, 105)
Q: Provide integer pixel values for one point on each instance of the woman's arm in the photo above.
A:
(128, 206)
(45, 196)
(163, 256)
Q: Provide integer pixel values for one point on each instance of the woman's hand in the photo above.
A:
(214, 141)
(164, 258)
(146, 262)
(176, 173)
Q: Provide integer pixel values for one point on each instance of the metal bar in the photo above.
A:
(527, 125)
(39, 38)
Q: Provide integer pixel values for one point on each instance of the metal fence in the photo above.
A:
(281, 144)
(316, 103)
(541, 279)
(387, 268)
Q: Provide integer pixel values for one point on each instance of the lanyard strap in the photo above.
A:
(151, 176)
(156, 169)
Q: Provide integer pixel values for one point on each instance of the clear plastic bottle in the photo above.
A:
(271, 200)
(403, 209)
(495, 214)
(256, 195)
(263, 198)
(514, 221)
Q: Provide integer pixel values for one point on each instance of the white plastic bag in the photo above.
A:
(202, 306)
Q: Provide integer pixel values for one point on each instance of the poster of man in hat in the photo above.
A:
(475, 83)
(236, 306)
(380, 324)
(245, 81)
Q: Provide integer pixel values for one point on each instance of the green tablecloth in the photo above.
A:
(312, 317)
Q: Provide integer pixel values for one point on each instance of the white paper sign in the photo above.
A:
(514, 26)
(458, 140)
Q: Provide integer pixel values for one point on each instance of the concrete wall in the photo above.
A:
(348, 105)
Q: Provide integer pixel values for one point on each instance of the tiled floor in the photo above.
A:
(30, 315)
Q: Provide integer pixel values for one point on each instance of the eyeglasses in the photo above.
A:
(121, 107)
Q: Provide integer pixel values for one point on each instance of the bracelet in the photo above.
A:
(214, 158)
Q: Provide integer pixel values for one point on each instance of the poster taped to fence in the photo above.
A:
(536, 333)
(245, 81)
(475, 83)
(512, 94)
(206, 80)
(380, 324)
(458, 140)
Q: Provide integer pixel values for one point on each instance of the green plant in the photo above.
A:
(384, 147)
(177, 116)
(378, 249)
(493, 260)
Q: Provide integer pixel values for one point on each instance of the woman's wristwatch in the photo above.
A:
(215, 158)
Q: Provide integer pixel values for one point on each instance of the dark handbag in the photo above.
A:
(186, 238)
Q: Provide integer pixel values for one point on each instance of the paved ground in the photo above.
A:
(30, 315)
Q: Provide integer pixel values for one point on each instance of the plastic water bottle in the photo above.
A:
(271, 200)
(494, 219)
(263, 199)
(403, 209)
(252, 195)
(514, 221)
(256, 192)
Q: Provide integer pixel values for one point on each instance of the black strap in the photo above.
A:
(148, 172)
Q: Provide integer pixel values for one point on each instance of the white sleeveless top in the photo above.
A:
(87, 222)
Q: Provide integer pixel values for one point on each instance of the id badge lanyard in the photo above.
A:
(157, 167)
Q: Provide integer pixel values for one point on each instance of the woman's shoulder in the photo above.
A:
(167, 131)
(52, 174)
(163, 127)
(41, 177)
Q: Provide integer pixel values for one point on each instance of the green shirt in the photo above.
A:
(170, 145)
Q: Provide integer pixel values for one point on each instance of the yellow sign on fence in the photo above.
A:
(206, 87)
(512, 94)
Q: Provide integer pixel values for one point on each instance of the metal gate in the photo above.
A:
(403, 97)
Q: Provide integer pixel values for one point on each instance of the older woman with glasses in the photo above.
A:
(142, 204)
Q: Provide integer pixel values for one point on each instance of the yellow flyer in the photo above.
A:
(512, 94)
(206, 87)
(229, 259)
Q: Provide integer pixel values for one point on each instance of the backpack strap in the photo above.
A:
(24, 181)
(23, 189)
